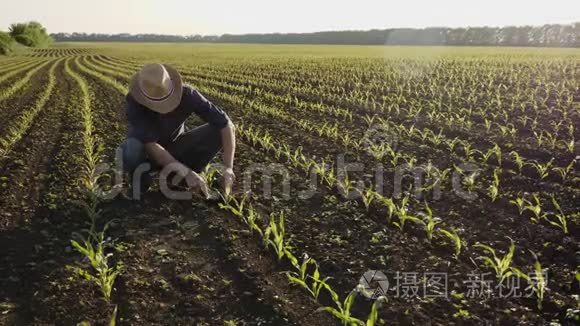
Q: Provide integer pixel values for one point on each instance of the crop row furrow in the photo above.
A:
(15, 65)
(17, 127)
(23, 82)
(29, 66)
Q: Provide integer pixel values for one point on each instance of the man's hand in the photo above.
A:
(195, 181)
(229, 178)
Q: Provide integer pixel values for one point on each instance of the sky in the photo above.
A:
(210, 17)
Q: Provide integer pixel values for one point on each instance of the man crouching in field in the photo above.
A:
(157, 106)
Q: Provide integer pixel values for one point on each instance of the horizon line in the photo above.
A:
(330, 31)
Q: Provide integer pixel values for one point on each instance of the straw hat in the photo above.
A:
(157, 87)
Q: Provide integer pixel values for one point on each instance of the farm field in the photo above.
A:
(447, 178)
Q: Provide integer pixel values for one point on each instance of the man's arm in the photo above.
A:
(228, 135)
(229, 144)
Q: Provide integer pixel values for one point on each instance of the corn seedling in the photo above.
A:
(368, 197)
(454, 237)
(326, 173)
(495, 151)
(410, 161)
(551, 140)
(469, 181)
(537, 281)
(539, 137)
(251, 218)
(233, 205)
(113, 320)
(565, 171)
(402, 213)
(469, 151)
(498, 155)
(318, 282)
(520, 202)
(542, 169)
(453, 143)
(344, 183)
(378, 151)
(369, 120)
(209, 175)
(374, 314)
(501, 265)
(390, 205)
(518, 159)
(570, 145)
(429, 222)
(487, 124)
(395, 157)
(561, 218)
(437, 139)
(342, 310)
(275, 235)
(93, 248)
(535, 208)
(301, 277)
(493, 189)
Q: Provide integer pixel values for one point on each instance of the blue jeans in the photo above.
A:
(194, 148)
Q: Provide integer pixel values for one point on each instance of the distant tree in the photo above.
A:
(456, 36)
(576, 35)
(6, 43)
(31, 34)
(548, 35)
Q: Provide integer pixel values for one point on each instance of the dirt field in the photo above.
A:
(380, 159)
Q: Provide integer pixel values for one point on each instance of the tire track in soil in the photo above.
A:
(34, 235)
(142, 301)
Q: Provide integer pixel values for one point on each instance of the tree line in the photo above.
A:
(553, 35)
(31, 34)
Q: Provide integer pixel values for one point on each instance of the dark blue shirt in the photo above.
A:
(152, 127)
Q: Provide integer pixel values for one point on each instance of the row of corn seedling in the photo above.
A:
(93, 243)
(18, 127)
(23, 82)
(306, 274)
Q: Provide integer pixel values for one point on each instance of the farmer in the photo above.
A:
(157, 106)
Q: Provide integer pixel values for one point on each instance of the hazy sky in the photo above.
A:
(262, 16)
